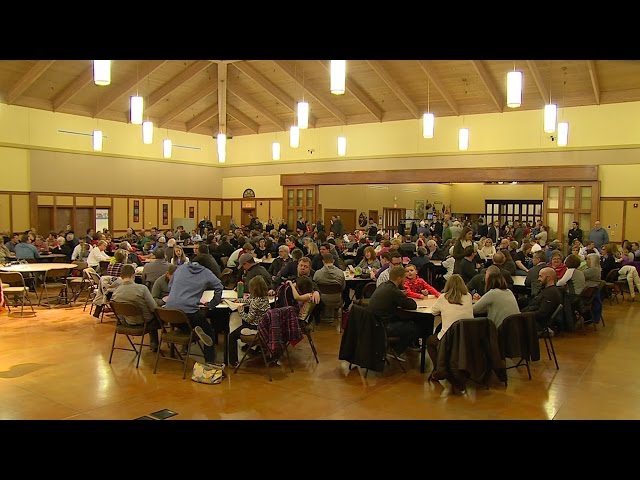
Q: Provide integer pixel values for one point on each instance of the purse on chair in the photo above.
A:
(208, 374)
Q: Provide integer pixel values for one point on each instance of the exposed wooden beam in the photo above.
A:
(118, 91)
(393, 85)
(537, 78)
(242, 118)
(202, 117)
(594, 80)
(192, 100)
(275, 92)
(180, 79)
(28, 79)
(427, 68)
(354, 89)
(488, 82)
(322, 98)
(74, 87)
(222, 98)
(246, 98)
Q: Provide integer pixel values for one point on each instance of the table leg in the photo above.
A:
(423, 353)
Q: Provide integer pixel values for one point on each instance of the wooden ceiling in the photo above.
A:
(259, 96)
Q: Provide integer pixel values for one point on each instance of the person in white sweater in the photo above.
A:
(498, 302)
(454, 304)
(488, 250)
(97, 255)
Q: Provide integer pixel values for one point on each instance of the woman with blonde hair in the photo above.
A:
(454, 304)
(179, 258)
(488, 250)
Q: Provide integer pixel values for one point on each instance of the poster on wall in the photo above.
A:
(165, 214)
(136, 211)
(192, 212)
(419, 209)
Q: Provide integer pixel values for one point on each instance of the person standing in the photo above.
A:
(574, 233)
(598, 236)
(205, 223)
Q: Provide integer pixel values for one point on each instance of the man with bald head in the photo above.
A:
(546, 302)
(598, 236)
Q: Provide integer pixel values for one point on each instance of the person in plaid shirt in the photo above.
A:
(416, 287)
(115, 267)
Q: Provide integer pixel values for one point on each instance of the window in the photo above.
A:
(513, 210)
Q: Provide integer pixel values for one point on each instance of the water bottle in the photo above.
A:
(240, 289)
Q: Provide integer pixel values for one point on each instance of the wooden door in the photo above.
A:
(45, 220)
(348, 217)
(244, 220)
(566, 202)
(63, 217)
(299, 202)
(391, 218)
(85, 219)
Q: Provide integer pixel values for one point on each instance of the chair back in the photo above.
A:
(172, 316)
(612, 276)
(80, 265)
(12, 278)
(57, 274)
(427, 272)
(470, 349)
(125, 309)
(368, 290)
(329, 288)
(91, 275)
(104, 264)
(556, 318)
(518, 337)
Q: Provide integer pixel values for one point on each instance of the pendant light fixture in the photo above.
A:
(463, 139)
(97, 140)
(275, 149)
(550, 115)
(428, 119)
(147, 132)
(303, 114)
(342, 146)
(102, 72)
(294, 136)
(167, 147)
(514, 88)
(136, 106)
(338, 76)
(222, 147)
(563, 134)
(550, 110)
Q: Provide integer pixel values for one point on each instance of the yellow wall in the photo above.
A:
(589, 127)
(612, 219)
(619, 180)
(25, 127)
(5, 213)
(20, 213)
(263, 186)
(470, 197)
(16, 169)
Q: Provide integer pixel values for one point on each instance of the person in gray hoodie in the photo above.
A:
(186, 288)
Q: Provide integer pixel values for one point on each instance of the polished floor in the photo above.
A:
(55, 366)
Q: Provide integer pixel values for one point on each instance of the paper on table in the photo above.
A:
(233, 306)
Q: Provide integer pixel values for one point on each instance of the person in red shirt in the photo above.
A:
(416, 287)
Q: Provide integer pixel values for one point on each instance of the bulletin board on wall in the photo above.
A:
(188, 223)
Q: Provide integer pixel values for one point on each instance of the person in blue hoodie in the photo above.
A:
(185, 291)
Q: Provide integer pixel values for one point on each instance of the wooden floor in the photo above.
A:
(55, 366)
